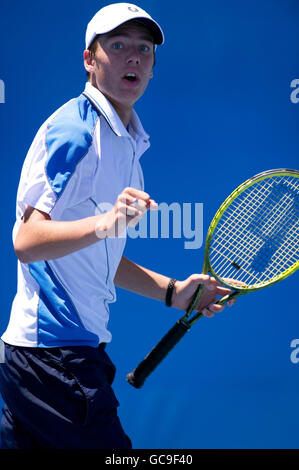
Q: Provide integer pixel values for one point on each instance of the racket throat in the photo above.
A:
(184, 324)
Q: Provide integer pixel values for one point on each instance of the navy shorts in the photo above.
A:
(59, 398)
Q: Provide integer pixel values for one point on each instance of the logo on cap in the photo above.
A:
(133, 9)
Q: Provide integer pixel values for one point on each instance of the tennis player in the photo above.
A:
(56, 378)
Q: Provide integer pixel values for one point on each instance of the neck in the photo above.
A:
(124, 113)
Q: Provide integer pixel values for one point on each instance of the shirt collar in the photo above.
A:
(106, 109)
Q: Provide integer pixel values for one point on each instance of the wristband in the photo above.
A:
(169, 292)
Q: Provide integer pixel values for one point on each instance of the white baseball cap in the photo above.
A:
(112, 16)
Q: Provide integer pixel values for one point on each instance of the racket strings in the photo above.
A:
(288, 246)
(230, 243)
(278, 216)
(269, 228)
(262, 259)
(256, 238)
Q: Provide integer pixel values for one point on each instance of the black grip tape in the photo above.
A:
(157, 354)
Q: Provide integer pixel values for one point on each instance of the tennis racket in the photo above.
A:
(252, 243)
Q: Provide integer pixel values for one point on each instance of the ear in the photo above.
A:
(88, 61)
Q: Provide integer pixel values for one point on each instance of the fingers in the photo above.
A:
(211, 309)
(134, 203)
(136, 193)
(211, 284)
(143, 206)
(139, 198)
(128, 209)
(214, 285)
(234, 282)
(216, 308)
(207, 302)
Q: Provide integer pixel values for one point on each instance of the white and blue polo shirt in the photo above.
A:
(81, 157)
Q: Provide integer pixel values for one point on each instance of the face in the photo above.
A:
(122, 64)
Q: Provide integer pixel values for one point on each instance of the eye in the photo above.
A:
(144, 48)
(117, 45)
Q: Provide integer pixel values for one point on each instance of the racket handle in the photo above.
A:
(157, 354)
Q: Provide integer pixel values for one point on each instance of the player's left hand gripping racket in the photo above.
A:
(252, 242)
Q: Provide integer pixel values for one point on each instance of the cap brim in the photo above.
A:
(153, 27)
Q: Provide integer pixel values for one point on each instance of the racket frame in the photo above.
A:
(207, 268)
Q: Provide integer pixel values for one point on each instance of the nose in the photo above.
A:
(133, 57)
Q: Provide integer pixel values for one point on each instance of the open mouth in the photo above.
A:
(131, 77)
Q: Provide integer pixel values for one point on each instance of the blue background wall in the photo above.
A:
(218, 111)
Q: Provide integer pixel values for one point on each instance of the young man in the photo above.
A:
(56, 378)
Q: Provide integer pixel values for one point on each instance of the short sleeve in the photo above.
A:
(60, 164)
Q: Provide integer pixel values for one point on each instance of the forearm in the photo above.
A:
(142, 281)
(40, 238)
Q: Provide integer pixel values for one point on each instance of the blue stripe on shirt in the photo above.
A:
(69, 136)
(58, 320)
